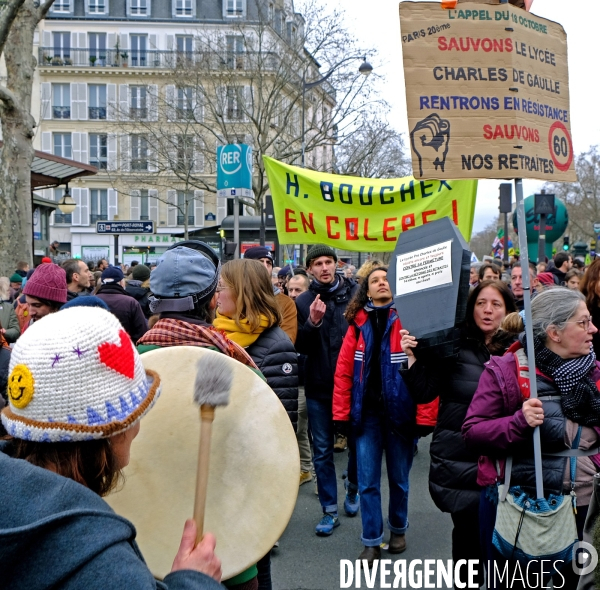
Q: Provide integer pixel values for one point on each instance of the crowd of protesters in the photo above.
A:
(328, 340)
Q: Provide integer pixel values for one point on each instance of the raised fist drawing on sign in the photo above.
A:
(429, 139)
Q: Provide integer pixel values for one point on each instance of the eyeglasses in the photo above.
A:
(221, 288)
(585, 323)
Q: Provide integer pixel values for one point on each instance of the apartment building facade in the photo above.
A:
(110, 89)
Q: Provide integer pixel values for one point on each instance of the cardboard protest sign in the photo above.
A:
(362, 214)
(487, 92)
(431, 264)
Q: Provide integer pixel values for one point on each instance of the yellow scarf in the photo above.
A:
(244, 336)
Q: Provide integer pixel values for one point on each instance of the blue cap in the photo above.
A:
(182, 278)
(86, 301)
(112, 274)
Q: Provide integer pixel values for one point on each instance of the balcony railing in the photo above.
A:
(130, 58)
(97, 112)
(100, 164)
(60, 218)
(61, 112)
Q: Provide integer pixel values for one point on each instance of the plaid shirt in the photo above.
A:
(171, 332)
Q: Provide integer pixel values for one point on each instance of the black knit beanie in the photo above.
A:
(320, 250)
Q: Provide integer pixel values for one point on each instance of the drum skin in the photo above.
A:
(254, 466)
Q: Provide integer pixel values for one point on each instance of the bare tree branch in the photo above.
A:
(248, 88)
(582, 198)
(8, 12)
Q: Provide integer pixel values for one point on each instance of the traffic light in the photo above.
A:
(566, 243)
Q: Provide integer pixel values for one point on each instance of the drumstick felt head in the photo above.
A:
(213, 380)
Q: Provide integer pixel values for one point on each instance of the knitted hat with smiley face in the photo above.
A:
(75, 375)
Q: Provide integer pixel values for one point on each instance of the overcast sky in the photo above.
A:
(377, 24)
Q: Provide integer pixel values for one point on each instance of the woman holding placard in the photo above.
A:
(453, 472)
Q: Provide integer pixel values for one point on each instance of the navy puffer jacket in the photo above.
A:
(321, 344)
(275, 356)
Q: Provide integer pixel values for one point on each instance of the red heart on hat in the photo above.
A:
(119, 357)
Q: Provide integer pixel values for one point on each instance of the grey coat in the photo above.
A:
(9, 321)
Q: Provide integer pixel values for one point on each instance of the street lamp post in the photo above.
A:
(67, 204)
(365, 69)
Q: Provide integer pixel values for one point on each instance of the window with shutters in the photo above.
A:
(185, 44)
(183, 7)
(138, 51)
(290, 32)
(185, 105)
(235, 110)
(62, 47)
(139, 152)
(138, 7)
(97, 48)
(61, 101)
(235, 50)
(234, 7)
(99, 150)
(144, 206)
(185, 202)
(138, 102)
(185, 153)
(97, 101)
(61, 218)
(61, 145)
(99, 205)
(278, 22)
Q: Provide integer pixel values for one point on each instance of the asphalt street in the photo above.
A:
(304, 561)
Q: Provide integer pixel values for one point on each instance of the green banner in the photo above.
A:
(362, 214)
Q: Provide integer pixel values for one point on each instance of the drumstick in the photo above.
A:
(211, 389)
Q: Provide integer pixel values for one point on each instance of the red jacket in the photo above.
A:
(350, 378)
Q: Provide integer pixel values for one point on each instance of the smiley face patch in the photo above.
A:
(20, 386)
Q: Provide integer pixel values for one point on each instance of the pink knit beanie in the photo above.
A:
(48, 281)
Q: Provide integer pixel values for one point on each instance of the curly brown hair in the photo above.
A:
(361, 297)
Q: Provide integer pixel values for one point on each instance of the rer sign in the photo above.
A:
(234, 170)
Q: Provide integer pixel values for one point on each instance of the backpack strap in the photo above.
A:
(522, 372)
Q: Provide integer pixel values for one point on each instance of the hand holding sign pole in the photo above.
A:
(499, 76)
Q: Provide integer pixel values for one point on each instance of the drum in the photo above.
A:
(254, 466)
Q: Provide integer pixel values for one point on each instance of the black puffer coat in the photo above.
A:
(322, 344)
(453, 469)
(275, 356)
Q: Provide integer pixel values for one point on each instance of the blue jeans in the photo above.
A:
(320, 418)
(370, 444)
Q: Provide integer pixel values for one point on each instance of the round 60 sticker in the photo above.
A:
(561, 146)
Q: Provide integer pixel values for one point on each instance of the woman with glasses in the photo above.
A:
(501, 418)
(248, 313)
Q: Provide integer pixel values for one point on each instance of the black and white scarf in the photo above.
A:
(580, 398)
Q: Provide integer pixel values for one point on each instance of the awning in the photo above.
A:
(37, 200)
(48, 170)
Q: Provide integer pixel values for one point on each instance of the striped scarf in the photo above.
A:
(579, 396)
(171, 332)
